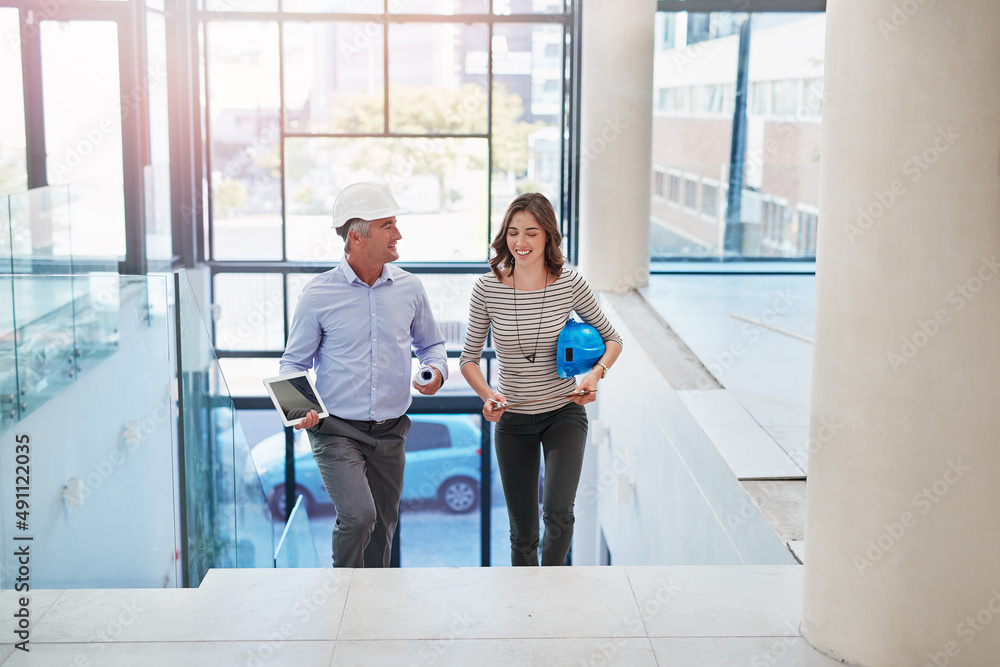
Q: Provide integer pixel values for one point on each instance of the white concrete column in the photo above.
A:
(616, 119)
(902, 531)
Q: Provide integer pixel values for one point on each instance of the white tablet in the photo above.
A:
(294, 395)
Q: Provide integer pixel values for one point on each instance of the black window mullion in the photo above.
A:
(489, 135)
(133, 69)
(199, 123)
(34, 124)
(563, 88)
(385, 72)
(745, 6)
(383, 135)
(208, 150)
(281, 138)
(572, 145)
(211, 304)
(383, 19)
(284, 304)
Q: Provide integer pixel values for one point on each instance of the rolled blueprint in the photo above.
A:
(424, 375)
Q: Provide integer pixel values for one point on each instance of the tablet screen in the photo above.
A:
(294, 396)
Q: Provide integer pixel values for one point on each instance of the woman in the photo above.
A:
(526, 300)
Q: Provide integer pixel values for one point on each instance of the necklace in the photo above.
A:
(541, 313)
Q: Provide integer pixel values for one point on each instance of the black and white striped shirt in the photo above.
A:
(541, 315)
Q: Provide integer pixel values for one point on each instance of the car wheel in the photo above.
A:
(459, 494)
(276, 499)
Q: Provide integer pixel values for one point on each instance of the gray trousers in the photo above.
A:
(361, 464)
(561, 437)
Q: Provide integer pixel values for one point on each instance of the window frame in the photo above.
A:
(675, 176)
(660, 183)
(711, 183)
(690, 182)
(673, 263)
(568, 124)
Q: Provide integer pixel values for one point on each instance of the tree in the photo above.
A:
(510, 134)
(433, 110)
(228, 194)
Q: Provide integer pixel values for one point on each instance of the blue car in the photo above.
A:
(442, 465)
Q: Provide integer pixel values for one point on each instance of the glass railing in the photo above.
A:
(54, 328)
(296, 547)
(64, 229)
(6, 251)
(90, 368)
(776, 216)
(80, 227)
(226, 520)
(87, 425)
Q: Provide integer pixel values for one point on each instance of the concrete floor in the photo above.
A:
(765, 372)
(758, 418)
(629, 616)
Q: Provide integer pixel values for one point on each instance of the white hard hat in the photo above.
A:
(365, 200)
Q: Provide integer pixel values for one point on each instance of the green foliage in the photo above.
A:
(228, 195)
(268, 159)
(429, 110)
(304, 194)
(510, 135)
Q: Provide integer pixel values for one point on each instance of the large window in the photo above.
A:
(84, 124)
(701, 120)
(457, 116)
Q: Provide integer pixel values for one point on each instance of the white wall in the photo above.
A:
(687, 508)
(123, 533)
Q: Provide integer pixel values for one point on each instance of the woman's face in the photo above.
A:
(526, 239)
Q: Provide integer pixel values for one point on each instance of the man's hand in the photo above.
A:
(308, 421)
(431, 387)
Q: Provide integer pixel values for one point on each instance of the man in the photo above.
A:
(355, 325)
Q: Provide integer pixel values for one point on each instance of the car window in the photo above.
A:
(302, 446)
(427, 435)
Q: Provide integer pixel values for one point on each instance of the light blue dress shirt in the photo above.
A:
(358, 339)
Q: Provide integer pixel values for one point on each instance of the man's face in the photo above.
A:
(380, 245)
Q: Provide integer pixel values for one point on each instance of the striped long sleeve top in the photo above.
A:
(527, 323)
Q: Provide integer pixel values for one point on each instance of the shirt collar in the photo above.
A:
(388, 273)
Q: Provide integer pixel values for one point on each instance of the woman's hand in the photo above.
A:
(492, 409)
(586, 390)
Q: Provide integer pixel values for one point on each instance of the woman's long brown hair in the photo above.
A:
(537, 205)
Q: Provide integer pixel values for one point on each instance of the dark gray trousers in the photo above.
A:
(561, 435)
(361, 464)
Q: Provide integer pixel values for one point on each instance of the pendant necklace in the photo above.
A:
(517, 328)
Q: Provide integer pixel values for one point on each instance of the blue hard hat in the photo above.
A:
(579, 348)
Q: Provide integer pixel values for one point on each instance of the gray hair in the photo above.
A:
(354, 224)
